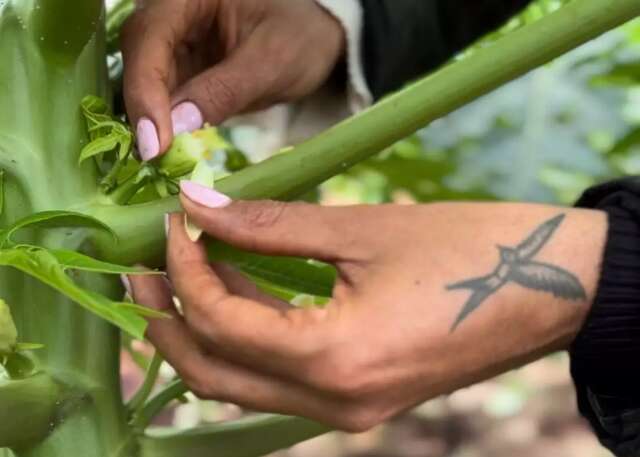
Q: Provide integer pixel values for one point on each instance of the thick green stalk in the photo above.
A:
(53, 54)
(289, 175)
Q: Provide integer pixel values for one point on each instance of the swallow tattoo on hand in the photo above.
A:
(517, 265)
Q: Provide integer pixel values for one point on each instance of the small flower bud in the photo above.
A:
(190, 148)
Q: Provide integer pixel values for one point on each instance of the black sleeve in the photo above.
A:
(605, 357)
(403, 39)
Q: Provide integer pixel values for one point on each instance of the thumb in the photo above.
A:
(276, 228)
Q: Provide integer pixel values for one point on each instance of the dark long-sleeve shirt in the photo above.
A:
(404, 39)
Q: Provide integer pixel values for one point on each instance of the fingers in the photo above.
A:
(214, 378)
(249, 331)
(276, 228)
(149, 42)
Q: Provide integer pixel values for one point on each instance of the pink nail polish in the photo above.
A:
(148, 142)
(203, 195)
(127, 284)
(186, 117)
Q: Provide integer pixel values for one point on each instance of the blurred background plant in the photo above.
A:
(543, 138)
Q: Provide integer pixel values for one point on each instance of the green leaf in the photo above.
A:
(298, 276)
(252, 436)
(76, 261)
(624, 74)
(8, 331)
(54, 219)
(28, 346)
(93, 106)
(44, 266)
(98, 146)
(106, 132)
(144, 311)
(628, 141)
(1, 191)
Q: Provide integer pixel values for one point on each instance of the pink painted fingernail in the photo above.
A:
(203, 195)
(127, 284)
(148, 142)
(186, 117)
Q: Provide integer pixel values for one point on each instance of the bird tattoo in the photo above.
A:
(517, 265)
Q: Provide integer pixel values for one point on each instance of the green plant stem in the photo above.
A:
(127, 190)
(142, 395)
(63, 28)
(31, 404)
(287, 176)
(171, 391)
(53, 55)
(251, 437)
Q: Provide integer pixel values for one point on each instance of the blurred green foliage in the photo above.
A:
(545, 137)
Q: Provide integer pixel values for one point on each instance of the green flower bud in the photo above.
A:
(188, 149)
(8, 332)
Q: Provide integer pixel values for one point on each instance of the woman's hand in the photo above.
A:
(190, 61)
(404, 325)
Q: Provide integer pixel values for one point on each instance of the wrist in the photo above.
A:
(542, 297)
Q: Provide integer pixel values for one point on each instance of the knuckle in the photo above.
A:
(360, 419)
(220, 94)
(264, 214)
(197, 383)
(343, 375)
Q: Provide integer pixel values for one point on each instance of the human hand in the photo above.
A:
(190, 61)
(400, 328)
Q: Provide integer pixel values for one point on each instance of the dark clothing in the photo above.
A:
(606, 354)
(404, 39)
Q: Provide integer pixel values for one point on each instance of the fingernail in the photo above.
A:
(186, 117)
(167, 225)
(148, 142)
(127, 284)
(203, 195)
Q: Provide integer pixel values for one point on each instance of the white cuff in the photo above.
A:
(350, 15)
